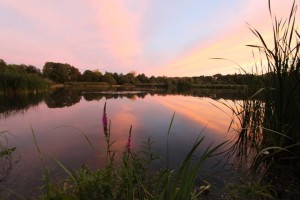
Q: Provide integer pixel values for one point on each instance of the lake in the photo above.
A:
(62, 119)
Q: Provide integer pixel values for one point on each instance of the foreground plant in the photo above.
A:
(268, 140)
(131, 177)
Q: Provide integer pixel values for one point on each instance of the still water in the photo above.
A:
(62, 119)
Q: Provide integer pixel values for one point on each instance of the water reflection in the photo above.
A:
(62, 98)
(59, 131)
(65, 98)
(18, 104)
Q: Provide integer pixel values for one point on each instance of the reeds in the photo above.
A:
(269, 121)
(13, 82)
(280, 94)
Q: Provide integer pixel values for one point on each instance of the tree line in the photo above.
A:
(60, 73)
(22, 77)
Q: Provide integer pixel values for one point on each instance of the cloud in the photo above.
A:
(86, 34)
(154, 38)
(230, 44)
(118, 28)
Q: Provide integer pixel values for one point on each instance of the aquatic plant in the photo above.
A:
(268, 127)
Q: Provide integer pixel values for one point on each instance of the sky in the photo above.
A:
(157, 37)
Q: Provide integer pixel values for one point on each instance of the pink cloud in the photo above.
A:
(87, 34)
(228, 44)
(118, 29)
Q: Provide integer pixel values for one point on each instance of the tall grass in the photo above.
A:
(269, 120)
(132, 176)
(280, 110)
(14, 82)
(6, 163)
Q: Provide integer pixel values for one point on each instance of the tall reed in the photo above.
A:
(269, 120)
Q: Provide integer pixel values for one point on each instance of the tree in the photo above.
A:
(130, 77)
(108, 79)
(33, 70)
(2, 64)
(56, 72)
(88, 76)
(142, 78)
(74, 74)
(60, 73)
(123, 79)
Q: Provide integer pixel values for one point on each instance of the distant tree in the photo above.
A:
(60, 73)
(97, 75)
(88, 76)
(130, 77)
(2, 64)
(142, 78)
(123, 79)
(217, 76)
(74, 74)
(108, 78)
(152, 79)
(116, 77)
(56, 72)
(33, 70)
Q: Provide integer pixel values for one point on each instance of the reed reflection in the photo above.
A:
(18, 104)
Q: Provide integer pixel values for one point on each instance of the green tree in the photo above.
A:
(56, 72)
(60, 73)
(123, 79)
(88, 76)
(142, 78)
(2, 65)
(130, 77)
(74, 74)
(108, 79)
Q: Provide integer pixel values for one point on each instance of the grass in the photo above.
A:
(280, 110)
(6, 161)
(12, 83)
(268, 122)
(132, 176)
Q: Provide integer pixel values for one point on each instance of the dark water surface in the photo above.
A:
(58, 120)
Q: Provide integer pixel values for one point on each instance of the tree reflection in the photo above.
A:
(18, 104)
(63, 98)
(133, 95)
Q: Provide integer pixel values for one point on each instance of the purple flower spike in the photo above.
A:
(104, 121)
(129, 141)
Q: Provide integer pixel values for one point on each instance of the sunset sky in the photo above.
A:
(155, 37)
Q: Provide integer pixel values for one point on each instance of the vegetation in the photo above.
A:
(269, 121)
(132, 177)
(6, 161)
(16, 78)
(21, 78)
(60, 73)
(267, 144)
